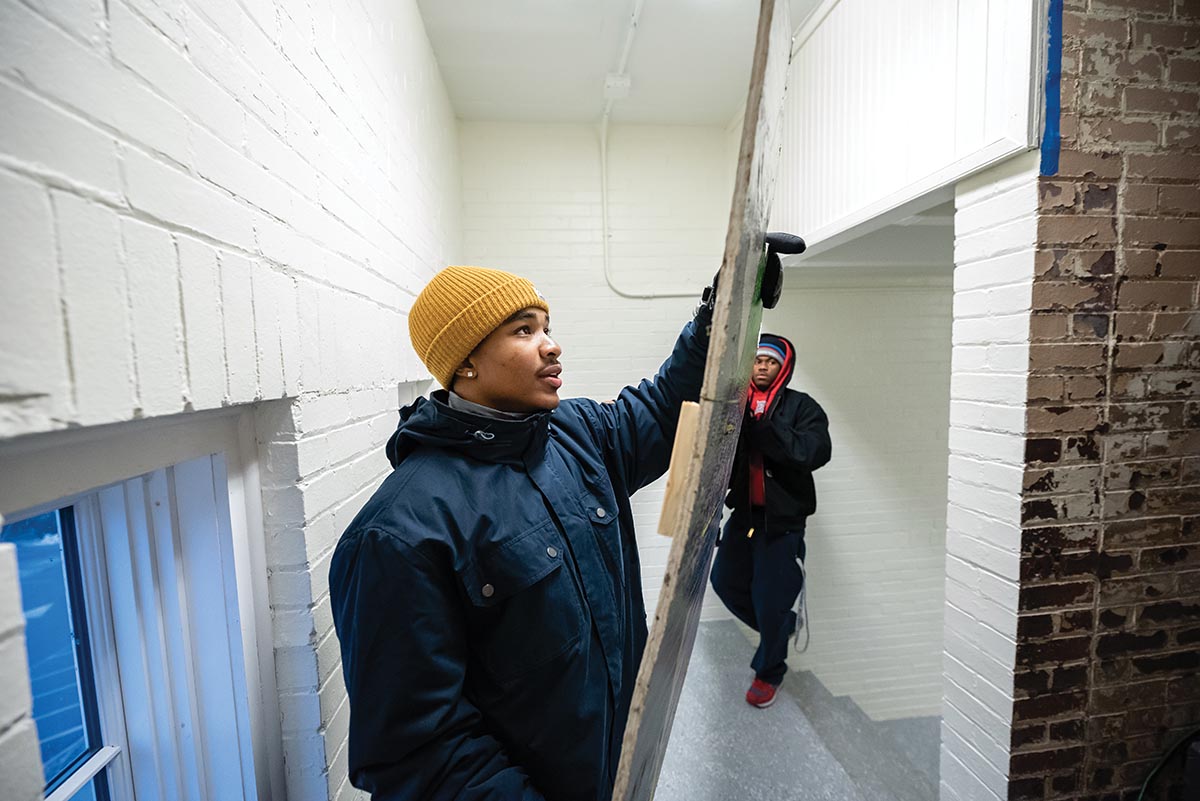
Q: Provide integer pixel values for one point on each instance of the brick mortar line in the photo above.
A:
(303, 485)
(13, 724)
(980, 649)
(183, 341)
(70, 34)
(294, 292)
(73, 396)
(138, 411)
(318, 433)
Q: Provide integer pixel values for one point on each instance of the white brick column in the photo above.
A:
(995, 233)
(321, 456)
(20, 759)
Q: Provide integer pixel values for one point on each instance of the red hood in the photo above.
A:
(760, 401)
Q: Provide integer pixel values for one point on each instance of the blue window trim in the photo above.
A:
(72, 567)
(1051, 134)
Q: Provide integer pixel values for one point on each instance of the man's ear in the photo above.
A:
(466, 370)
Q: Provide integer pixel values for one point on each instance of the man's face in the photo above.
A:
(764, 372)
(516, 368)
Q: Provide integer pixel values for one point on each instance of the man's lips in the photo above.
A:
(551, 375)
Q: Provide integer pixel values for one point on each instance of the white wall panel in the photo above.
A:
(888, 101)
(873, 347)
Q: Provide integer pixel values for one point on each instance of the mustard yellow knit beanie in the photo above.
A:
(459, 308)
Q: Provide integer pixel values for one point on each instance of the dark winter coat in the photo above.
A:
(793, 438)
(488, 597)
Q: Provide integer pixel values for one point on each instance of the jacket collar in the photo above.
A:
(431, 421)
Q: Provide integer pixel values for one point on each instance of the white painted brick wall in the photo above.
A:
(531, 197)
(218, 202)
(20, 764)
(321, 458)
(193, 190)
(873, 349)
(995, 228)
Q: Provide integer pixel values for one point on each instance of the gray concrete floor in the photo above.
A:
(808, 746)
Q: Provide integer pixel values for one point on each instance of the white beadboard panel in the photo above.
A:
(860, 141)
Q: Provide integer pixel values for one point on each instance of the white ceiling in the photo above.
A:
(546, 60)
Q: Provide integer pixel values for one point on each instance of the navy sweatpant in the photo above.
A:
(758, 579)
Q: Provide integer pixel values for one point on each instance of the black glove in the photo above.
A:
(772, 283)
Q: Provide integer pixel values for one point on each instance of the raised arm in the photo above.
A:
(413, 735)
(638, 428)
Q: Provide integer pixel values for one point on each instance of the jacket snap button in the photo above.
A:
(552, 552)
(488, 590)
(600, 512)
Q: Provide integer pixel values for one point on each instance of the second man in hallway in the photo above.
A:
(757, 571)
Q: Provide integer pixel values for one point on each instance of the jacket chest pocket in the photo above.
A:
(527, 610)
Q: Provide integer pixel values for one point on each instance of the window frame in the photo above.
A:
(44, 478)
(83, 609)
(85, 580)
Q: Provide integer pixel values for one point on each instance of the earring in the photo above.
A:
(470, 374)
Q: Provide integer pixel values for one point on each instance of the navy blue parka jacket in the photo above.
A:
(488, 597)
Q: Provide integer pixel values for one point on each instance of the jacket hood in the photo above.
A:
(789, 362)
(430, 421)
(760, 402)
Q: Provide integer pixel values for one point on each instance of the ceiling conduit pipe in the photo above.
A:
(810, 24)
(604, 223)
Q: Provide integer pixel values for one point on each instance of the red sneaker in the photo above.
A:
(761, 694)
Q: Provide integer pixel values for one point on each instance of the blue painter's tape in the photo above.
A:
(1050, 133)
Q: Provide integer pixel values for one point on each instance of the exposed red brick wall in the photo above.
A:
(1108, 652)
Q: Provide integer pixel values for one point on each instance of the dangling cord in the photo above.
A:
(1182, 743)
(801, 611)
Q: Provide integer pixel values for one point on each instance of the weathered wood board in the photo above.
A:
(700, 485)
(681, 454)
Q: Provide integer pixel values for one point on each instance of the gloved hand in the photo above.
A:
(772, 283)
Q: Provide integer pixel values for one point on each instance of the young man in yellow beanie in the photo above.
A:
(488, 597)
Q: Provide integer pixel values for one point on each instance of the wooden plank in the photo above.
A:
(703, 478)
(681, 456)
